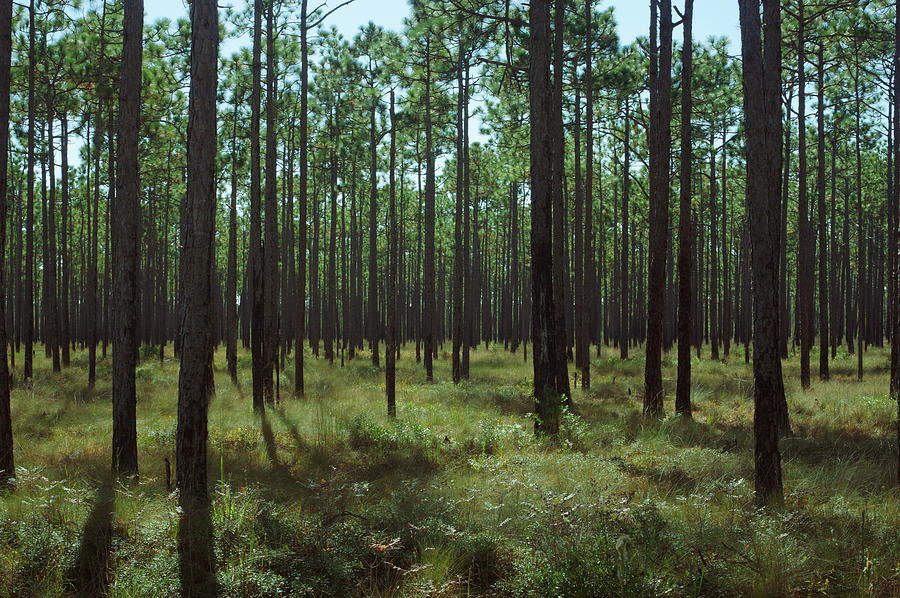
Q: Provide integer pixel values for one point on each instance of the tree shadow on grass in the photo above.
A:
(89, 575)
(280, 475)
(196, 559)
(299, 443)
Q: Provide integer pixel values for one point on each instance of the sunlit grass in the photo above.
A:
(457, 497)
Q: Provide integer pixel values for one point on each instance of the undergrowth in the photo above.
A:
(326, 496)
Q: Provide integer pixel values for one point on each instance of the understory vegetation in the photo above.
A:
(326, 496)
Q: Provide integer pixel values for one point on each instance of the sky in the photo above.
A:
(711, 17)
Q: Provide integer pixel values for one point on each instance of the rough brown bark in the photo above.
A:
(624, 280)
(558, 178)
(805, 251)
(231, 277)
(125, 236)
(660, 139)
(762, 113)
(458, 259)
(895, 252)
(685, 224)
(429, 313)
(390, 350)
(28, 303)
(65, 337)
(546, 397)
(587, 242)
(372, 318)
(195, 376)
(300, 324)
(270, 245)
(824, 338)
(7, 461)
(257, 277)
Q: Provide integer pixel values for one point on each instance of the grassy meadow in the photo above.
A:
(325, 496)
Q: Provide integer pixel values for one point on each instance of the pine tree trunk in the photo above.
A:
(231, 282)
(624, 280)
(458, 259)
(587, 242)
(429, 311)
(65, 337)
(762, 110)
(390, 349)
(372, 319)
(300, 323)
(270, 244)
(28, 303)
(544, 331)
(257, 279)
(195, 376)
(860, 236)
(660, 139)
(126, 233)
(805, 251)
(685, 224)
(7, 461)
(895, 252)
(824, 338)
(558, 213)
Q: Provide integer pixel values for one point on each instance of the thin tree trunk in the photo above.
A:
(270, 245)
(372, 318)
(231, 282)
(558, 178)
(624, 281)
(7, 461)
(300, 324)
(257, 278)
(824, 339)
(660, 139)
(28, 303)
(390, 350)
(544, 331)
(429, 316)
(587, 249)
(685, 224)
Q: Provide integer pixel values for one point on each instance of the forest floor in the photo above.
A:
(325, 496)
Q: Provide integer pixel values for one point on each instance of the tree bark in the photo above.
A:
(126, 235)
(805, 251)
(762, 113)
(558, 178)
(28, 303)
(390, 350)
(7, 461)
(587, 241)
(372, 318)
(270, 244)
(824, 338)
(895, 252)
(543, 329)
(300, 324)
(257, 277)
(231, 282)
(195, 377)
(660, 139)
(429, 316)
(685, 224)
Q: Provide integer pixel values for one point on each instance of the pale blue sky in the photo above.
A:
(711, 17)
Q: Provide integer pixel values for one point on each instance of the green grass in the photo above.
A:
(325, 496)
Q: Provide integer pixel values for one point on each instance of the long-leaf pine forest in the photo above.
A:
(498, 300)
